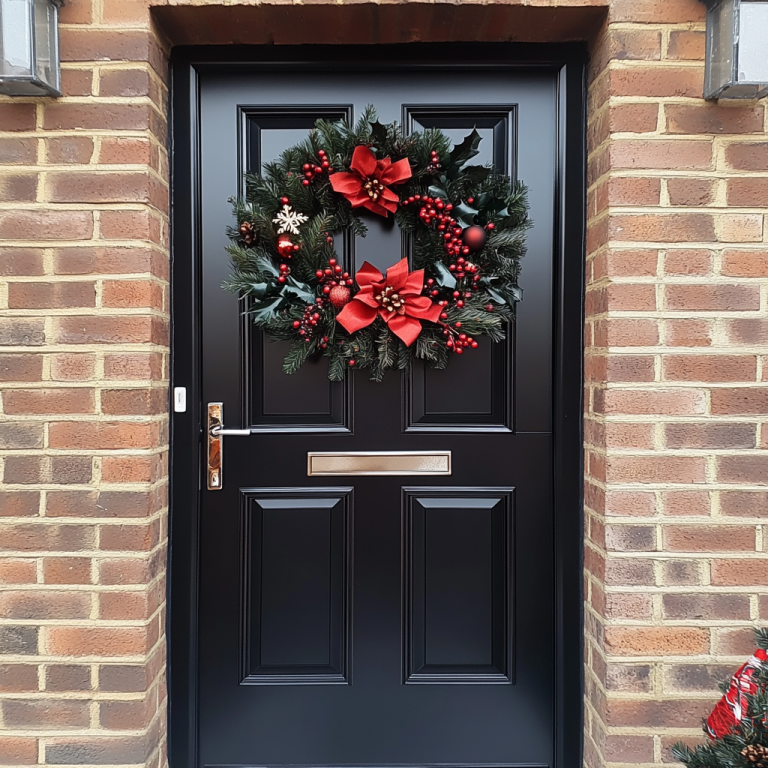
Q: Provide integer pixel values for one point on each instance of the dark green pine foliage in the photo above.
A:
(275, 306)
(749, 738)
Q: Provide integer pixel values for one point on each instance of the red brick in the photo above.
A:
(45, 713)
(627, 573)
(67, 677)
(740, 573)
(18, 188)
(656, 469)
(746, 469)
(681, 573)
(709, 367)
(19, 503)
(76, 82)
(124, 571)
(628, 678)
(105, 45)
(632, 190)
(633, 503)
(123, 715)
(17, 117)
(69, 150)
(689, 261)
(662, 228)
(124, 82)
(132, 293)
(132, 366)
(131, 469)
(21, 367)
(691, 192)
(747, 156)
(76, 12)
(628, 749)
(96, 641)
(46, 225)
(708, 436)
(18, 151)
(110, 330)
(105, 187)
(686, 45)
(125, 151)
(129, 225)
(744, 503)
(128, 538)
(22, 262)
(745, 263)
(748, 193)
(109, 261)
(28, 537)
(647, 402)
(18, 678)
(625, 297)
(130, 402)
(626, 332)
(18, 750)
(64, 116)
(742, 401)
(712, 298)
(677, 503)
(44, 605)
(28, 401)
(658, 82)
(72, 367)
(620, 435)
(714, 119)
(623, 368)
(123, 606)
(656, 641)
(17, 571)
(104, 504)
(661, 154)
(688, 333)
(630, 538)
(633, 118)
(67, 570)
(51, 295)
(698, 538)
(103, 435)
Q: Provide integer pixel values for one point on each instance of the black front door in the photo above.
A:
(380, 620)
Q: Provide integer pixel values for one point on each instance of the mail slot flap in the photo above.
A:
(379, 463)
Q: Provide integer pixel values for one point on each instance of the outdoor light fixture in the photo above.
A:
(737, 49)
(29, 47)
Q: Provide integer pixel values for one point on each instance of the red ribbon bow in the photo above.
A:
(395, 298)
(367, 184)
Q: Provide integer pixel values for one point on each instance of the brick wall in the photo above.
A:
(676, 338)
(83, 424)
(677, 326)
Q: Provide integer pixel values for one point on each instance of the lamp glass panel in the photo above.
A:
(15, 39)
(753, 42)
(720, 40)
(45, 42)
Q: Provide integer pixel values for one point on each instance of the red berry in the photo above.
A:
(340, 296)
(351, 363)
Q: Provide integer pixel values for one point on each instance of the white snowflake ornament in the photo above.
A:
(289, 220)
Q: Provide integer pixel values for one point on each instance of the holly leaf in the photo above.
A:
(502, 292)
(444, 276)
(464, 214)
(264, 311)
(258, 290)
(266, 265)
(298, 290)
(466, 150)
(435, 191)
(477, 174)
(379, 133)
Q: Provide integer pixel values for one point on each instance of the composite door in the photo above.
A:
(378, 620)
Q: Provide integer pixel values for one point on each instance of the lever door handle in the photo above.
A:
(215, 433)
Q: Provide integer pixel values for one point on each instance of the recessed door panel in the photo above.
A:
(458, 548)
(486, 373)
(306, 400)
(296, 585)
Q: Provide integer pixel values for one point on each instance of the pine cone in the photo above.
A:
(247, 235)
(756, 754)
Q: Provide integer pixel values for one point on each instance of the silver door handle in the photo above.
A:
(216, 431)
(221, 432)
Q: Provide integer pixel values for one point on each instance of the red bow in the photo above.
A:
(396, 298)
(366, 185)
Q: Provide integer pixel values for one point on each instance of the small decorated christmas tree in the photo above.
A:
(738, 725)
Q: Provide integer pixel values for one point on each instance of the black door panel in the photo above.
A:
(379, 620)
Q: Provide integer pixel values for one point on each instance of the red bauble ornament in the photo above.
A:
(474, 238)
(339, 296)
(284, 246)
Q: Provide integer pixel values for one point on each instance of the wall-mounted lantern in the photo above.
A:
(737, 49)
(29, 47)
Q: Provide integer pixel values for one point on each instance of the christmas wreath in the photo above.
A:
(468, 235)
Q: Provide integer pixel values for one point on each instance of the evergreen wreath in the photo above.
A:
(738, 725)
(467, 225)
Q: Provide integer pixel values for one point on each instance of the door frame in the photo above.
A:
(568, 61)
